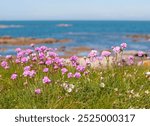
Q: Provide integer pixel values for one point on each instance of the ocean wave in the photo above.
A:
(82, 33)
(64, 25)
(11, 26)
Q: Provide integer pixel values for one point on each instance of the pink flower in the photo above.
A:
(93, 53)
(17, 61)
(27, 68)
(48, 62)
(52, 54)
(77, 75)
(80, 68)
(74, 58)
(24, 60)
(26, 73)
(32, 73)
(140, 53)
(105, 53)
(45, 70)
(117, 49)
(34, 58)
(18, 49)
(37, 91)
(123, 45)
(29, 73)
(4, 64)
(64, 70)
(131, 58)
(14, 76)
(8, 56)
(46, 80)
(41, 56)
(70, 75)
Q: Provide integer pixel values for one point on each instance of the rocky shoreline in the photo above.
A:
(7, 40)
(138, 37)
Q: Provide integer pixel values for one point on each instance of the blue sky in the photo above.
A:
(74, 9)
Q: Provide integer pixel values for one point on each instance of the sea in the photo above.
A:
(94, 34)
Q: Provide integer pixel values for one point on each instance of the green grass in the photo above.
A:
(124, 88)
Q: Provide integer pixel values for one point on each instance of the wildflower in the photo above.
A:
(37, 91)
(77, 75)
(70, 75)
(48, 62)
(80, 68)
(117, 49)
(46, 80)
(123, 45)
(27, 68)
(73, 59)
(45, 70)
(18, 49)
(8, 56)
(4, 64)
(34, 58)
(32, 73)
(64, 70)
(68, 87)
(52, 54)
(29, 73)
(41, 56)
(14, 76)
(93, 53)
(105, 53)
(17, 61)
(130, 60)
(140, 53)
(32, 45)
(102, 85)
(24, 60)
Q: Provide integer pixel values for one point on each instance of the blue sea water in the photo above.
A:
(94, 34)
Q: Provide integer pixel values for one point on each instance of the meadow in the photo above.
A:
(39, 78)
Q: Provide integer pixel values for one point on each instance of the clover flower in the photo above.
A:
(64, 70)
(73, 58)
(93, 53)
(80, 68)
(46, 80)
(45, 70)
(14, 76)
(123, 45)
(117, 49)
(37, 91)
(77, 75)
(105, 53)
(140, 53)
(70, 75)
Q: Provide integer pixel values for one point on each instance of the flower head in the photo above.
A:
(105, 53)
(37, 91)
(93, 53)
(46, 80)
(124, 45)
(117, 49)
(77, 75)
(45, 70)
(64, 70)
(14, 76)
(140, 53)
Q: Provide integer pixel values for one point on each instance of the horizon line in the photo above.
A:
(74, 20)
